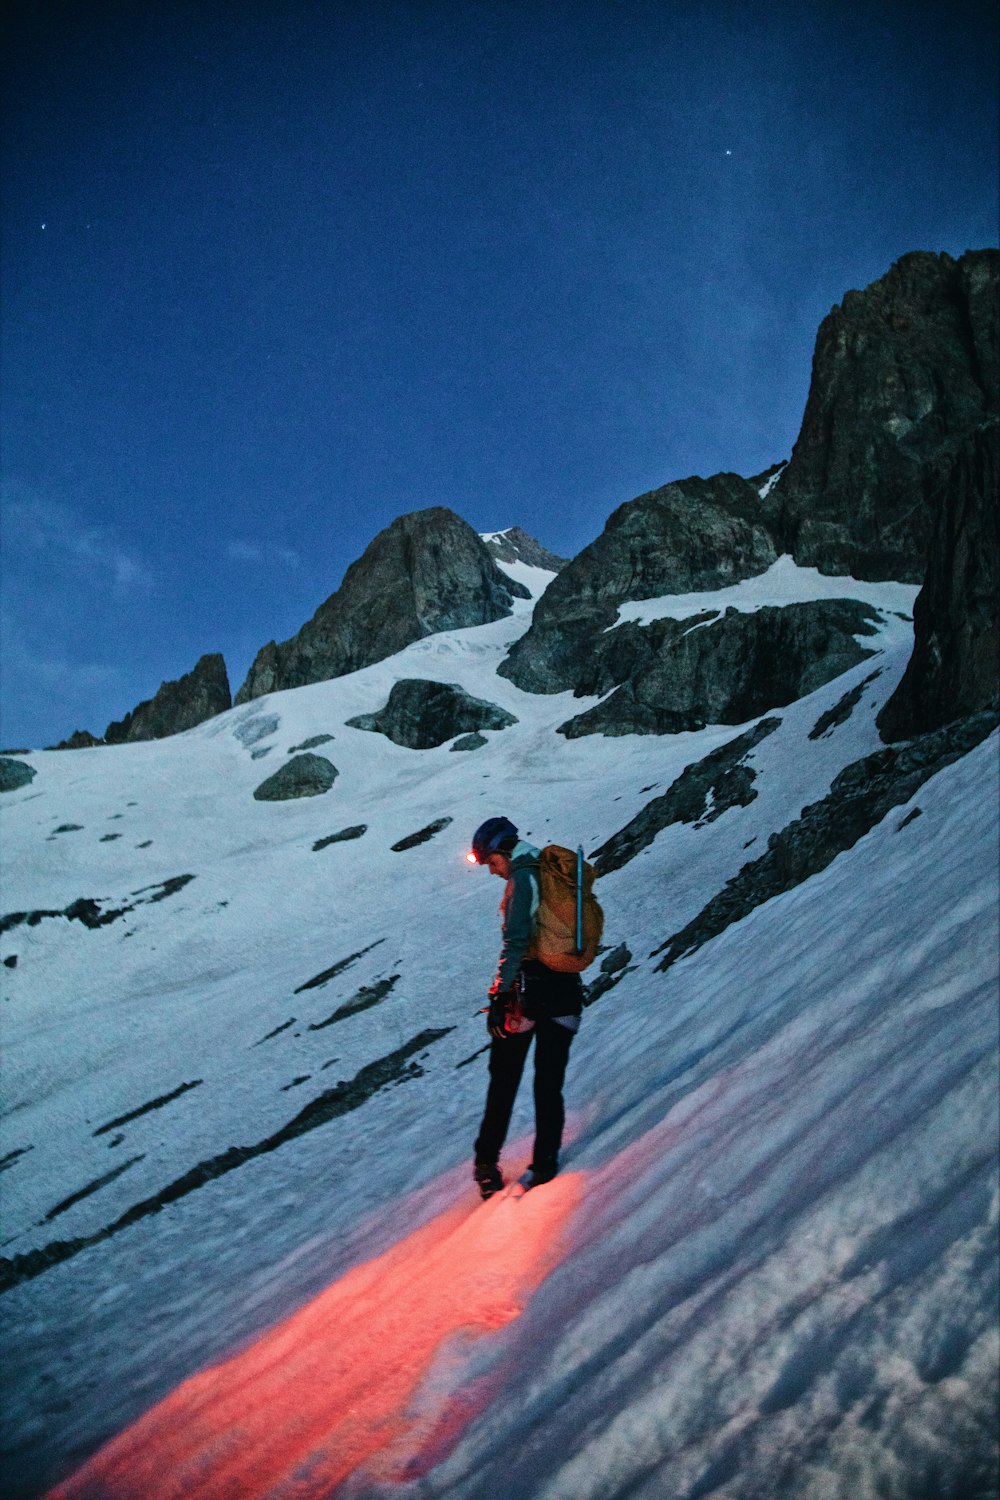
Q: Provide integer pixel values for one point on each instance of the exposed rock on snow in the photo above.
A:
(955, 667)
(702, 792)
(614, 968)
(285, 1025)
(902, 373)
(680, 675)
(14, 774)
(344, 836)
(312, 743)
(470, 742)
(199, 695)
(340, 967)
(421, 836)
(426, 572)
(152, 1104)
(695, 534)
(305, 776)
(860, 797)
(91, 1188)
(420, 715)
(367, 996)
(616, 959)
(341, 1099)
(7, 1161)
(842, 709)
(91, 912)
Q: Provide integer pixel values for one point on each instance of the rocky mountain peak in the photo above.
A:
(515, 545)
(199, 695)
(903, 373)
(691, 535)
(427, 571)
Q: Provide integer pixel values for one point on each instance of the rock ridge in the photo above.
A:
(426, 572)
(679, 675)
(515, 545)
(199, 695)
(691, 535)
(903, 373)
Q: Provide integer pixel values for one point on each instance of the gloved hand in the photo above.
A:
(496, 1020)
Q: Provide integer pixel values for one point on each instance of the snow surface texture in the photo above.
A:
(769, 1266)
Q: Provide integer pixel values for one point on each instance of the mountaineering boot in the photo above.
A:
(489, 1177)
(540, 1171)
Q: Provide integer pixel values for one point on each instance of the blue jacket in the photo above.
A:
(518, 910)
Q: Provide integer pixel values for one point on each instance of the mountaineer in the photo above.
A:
(551, 925)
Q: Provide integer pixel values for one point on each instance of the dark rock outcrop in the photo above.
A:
(903, 373)
(696, 534)
(726, 672)
(303, 776)
(14, 774)
(356, 831)
(701, 793)
(80, 739)
(515, 545)
(955, 667)
(422, 835)
(312, 743)
(426, 572)
(199, 695)
(859, 798)
(470, 742)
(347, 1095)
(98, 911)
(842, 709)
(420, 715)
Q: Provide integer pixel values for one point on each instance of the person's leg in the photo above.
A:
(552, 1044)
(506, 1066)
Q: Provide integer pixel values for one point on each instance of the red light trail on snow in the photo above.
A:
(367, 1375)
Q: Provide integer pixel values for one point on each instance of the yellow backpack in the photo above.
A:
(569, 922)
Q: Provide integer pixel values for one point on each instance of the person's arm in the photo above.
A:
(519, 920)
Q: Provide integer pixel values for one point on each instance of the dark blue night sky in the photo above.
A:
(275, 273)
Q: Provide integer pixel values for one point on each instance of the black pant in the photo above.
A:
(507, 1059)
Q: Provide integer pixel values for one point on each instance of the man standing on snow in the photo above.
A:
(526, 999)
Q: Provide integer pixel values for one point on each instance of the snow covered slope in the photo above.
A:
(244, 1066)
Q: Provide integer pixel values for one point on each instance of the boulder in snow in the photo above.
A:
(15, 774)
(420, 714)
(303, 776)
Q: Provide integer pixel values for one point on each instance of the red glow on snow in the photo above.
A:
(472, 858)
(369, 1374)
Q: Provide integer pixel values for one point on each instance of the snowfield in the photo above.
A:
(238, 1116)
